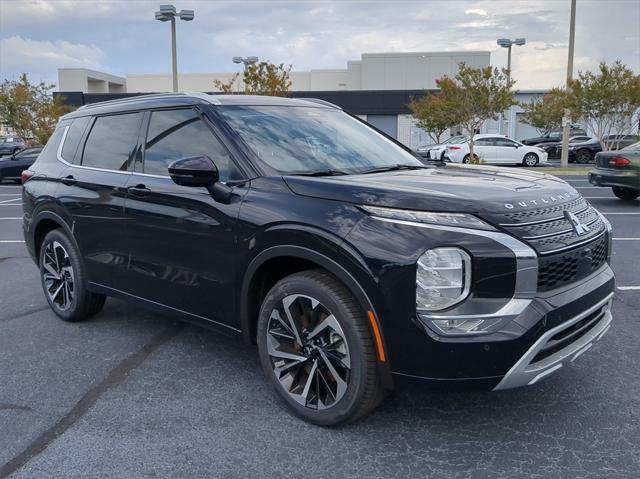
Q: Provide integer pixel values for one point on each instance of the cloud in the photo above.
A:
(40, 58)
(313, 34)
(476, 11)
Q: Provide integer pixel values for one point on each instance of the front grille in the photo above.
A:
(548, 231)
(564, 268)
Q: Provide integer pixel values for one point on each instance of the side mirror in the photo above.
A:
(194, 171)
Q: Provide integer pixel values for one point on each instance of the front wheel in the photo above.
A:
(530, 160)
(316, 349)
(626, 194)
(63, 279)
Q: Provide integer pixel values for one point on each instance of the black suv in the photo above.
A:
(301, 228)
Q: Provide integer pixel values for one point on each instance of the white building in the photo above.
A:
(377, 87)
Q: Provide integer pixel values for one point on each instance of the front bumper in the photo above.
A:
(557, 347)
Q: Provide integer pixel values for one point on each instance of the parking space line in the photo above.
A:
(626, 239)
(12, 218)
(11, 241)
(618, 213)
(12, 204)
(629, 288)
(10, 194)
(9, 201)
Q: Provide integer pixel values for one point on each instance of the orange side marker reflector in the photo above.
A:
(376, 334)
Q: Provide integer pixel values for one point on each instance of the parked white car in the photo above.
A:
(437, 151)
(496, 149)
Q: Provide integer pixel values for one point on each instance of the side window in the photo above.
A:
(111, 141)
(72, 140)
(175, 134)
(50, 151)
(484, 141)
(504, 142)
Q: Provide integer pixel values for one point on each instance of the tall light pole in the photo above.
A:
(168, 13)
(246, 61)
(506, 43)
(566, 120)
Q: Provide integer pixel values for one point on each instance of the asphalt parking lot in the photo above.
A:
(134, 394)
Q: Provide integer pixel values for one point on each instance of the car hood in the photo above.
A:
(469, 189)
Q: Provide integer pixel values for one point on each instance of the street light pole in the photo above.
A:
(174, 55)
(566, 120)
(506, 43)
(169, 13)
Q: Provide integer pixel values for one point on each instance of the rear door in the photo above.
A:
(99, 153)
(182, 243)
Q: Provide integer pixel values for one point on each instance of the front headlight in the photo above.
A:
(461, 220)
(443, 278)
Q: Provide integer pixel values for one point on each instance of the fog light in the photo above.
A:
(465, 326)
(443, 278)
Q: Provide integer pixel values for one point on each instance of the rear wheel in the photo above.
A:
(63, 279)
(530, 160)
(316, 349)
(626, 194)
(584, 156)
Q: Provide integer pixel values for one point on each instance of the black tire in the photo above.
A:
(361, 391)
(72, 302)
(626, 194)
(466, 160)
(584, 156)
(530, 160)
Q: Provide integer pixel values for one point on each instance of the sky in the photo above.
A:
(122, 37)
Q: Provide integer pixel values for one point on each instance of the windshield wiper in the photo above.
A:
(393, 168)
(321, 172)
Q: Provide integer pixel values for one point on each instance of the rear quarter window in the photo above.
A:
(73, 138)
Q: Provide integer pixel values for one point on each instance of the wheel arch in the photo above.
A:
(45, 222)
(291, 259)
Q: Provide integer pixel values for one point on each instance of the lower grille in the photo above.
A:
(565, 337)
(560, 269)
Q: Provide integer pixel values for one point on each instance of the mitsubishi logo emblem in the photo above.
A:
(579, 227)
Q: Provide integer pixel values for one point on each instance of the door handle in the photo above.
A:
(69, 180)
(138, 190)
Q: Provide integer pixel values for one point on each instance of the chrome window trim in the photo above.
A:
(526, 271)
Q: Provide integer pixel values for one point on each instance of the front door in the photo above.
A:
(508, 151)
(182, 242)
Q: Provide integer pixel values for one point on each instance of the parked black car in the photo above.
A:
(555, 135)
(585, 152)
(300, 228)
(11, 145)
(619, 170)
(554, 148)
(11, 167)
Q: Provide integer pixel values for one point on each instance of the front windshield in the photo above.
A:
(293, 139)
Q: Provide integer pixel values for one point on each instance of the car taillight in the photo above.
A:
(619, 161)
(26, 176)
(454, 147)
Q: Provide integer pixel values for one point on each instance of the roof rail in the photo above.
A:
(201, 96)
(321, 102)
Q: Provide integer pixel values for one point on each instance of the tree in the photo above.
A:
(29, 109)
(477, 95)
(606, 101)
(263, 78)
(435, 114)
(545, 114)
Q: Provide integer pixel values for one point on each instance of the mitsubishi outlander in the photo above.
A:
(306, 231)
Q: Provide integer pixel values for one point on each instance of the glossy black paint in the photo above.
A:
(179, 248)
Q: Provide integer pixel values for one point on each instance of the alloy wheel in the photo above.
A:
(530, 159)
(58, 276)
(308, 351)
